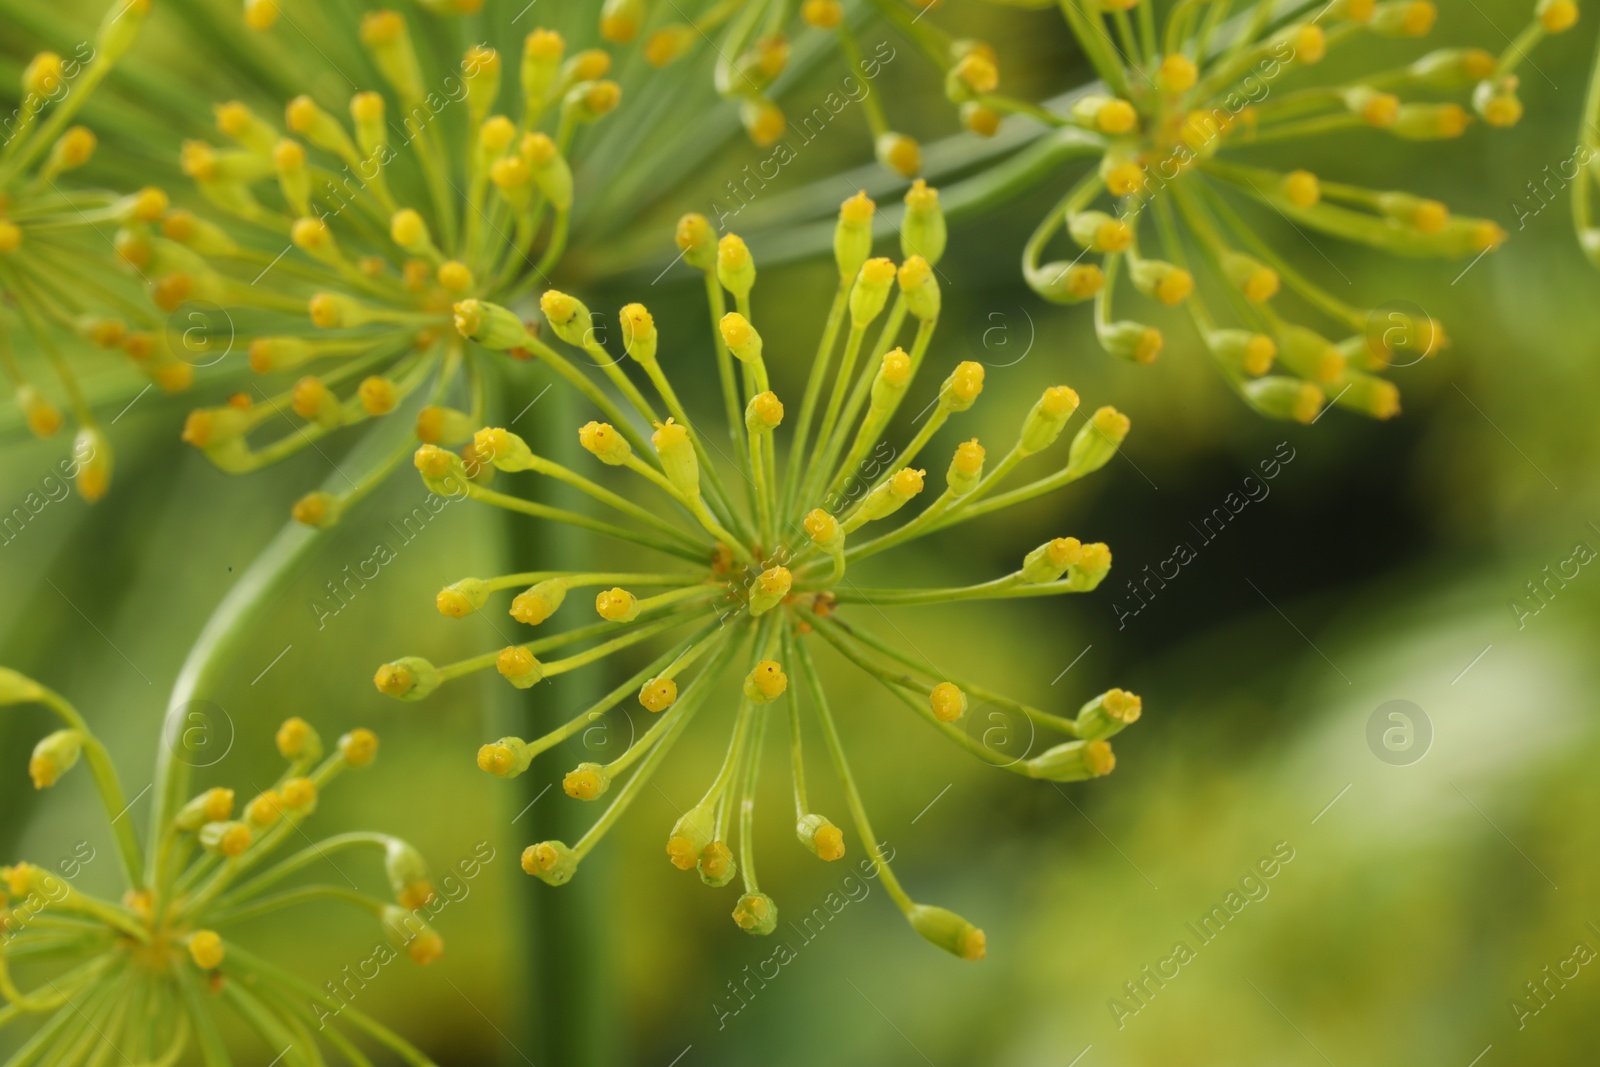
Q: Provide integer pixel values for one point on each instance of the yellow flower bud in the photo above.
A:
(588, 782)
(756, 914)
(899, 153)
(736, 270)
(298, 741)
(1047, 419)
(764, 413)
(603, 441)
(948, 701)
(205, 948)
(617, 605)
(766, 682)
(505, 758)
(639, 337)
(552, 862)
(230, 839)
(949, 931)
(536, 604)
(54, 756)
(768, 589)
(410, 678)
(658, 694)
(519, 667)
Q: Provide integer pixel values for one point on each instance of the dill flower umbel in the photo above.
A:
(757, 569)
(342, 246)
(751, 40)
(144, 977)
(1180, 100)
(52, 289)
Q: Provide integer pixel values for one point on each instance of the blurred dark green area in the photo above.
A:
(1383, 565)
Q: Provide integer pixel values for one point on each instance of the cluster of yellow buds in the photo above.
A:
(1177, 97)
(145, 977)
(751, 40)
(1497, 102)
(52, 290)
(756, 561)
(340, 284)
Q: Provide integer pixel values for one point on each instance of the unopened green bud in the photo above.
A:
(552, 862)
(766, 682)
(588, 781)
(1450, 69)
(690, 836)
(736, 268)
(519, 667)
(1282, 397)
(389, 42)
(551, 172)
(698, 242)
(764, 413)
(298, 741)
(820, 837)
(54, 756)
(740, 337)
(1310, 355)
(1073, 761)
(1242, 351)
(442, 470)
(888, 498)
(502, 448)
(541, 62)
(1108, 714)
(852, 237)
(678, 460)
(505, 758)
(639, 336)
(307, 119)
(966, 468)
(920, 289)
(756, 914)
(480, 69)
(949, 931)
(1063, 282)
(119, 29)
(536, 604)
(716, 865)
(922, 232)
(1097, 442)
(769, 588)
(212, 806)
(1050, 561)
(871, 290)
(490, 325)
(1090, 568)
(410, 678)
(567, 315)
(1047, 419)
(1132, 341)
(892, 379)
(460, 599)
(408, 875)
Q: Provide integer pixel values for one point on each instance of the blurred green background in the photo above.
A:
(1384, 565)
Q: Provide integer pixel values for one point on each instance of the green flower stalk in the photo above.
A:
(754, 555)
(342, 246)
(146, 977)
(1181, 100)
(53, 289)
